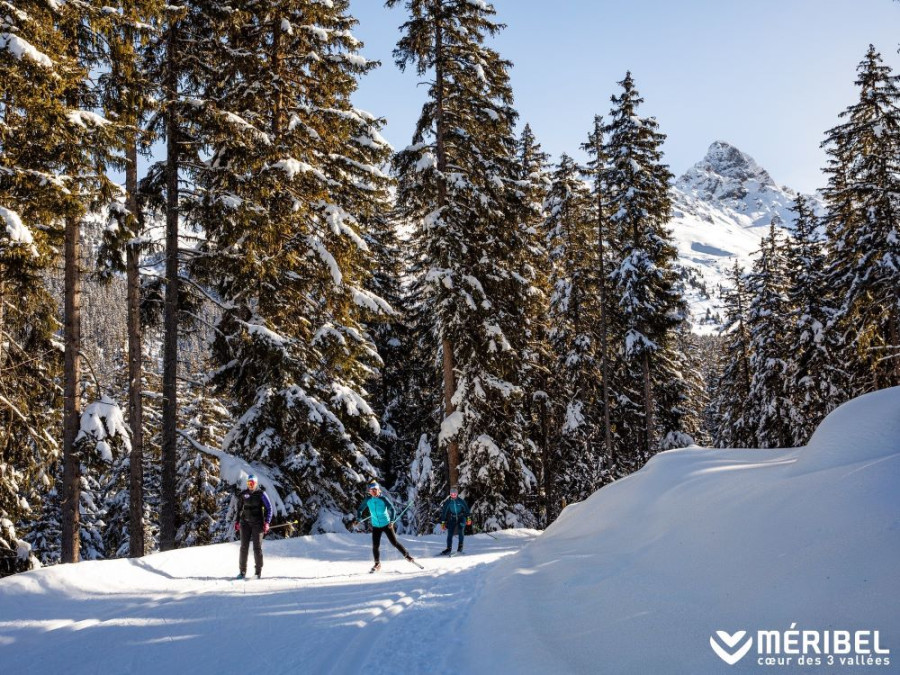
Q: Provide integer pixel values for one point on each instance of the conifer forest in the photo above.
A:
(212, 263)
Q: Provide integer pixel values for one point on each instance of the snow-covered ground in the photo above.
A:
(702, 557)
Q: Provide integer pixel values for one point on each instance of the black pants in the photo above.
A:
(376, 541)
(454, 523)
(250, 531)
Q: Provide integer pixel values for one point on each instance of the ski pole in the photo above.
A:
(290, 524)
(402, 512)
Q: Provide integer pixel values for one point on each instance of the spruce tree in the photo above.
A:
(731, 390)
(769, 408)
(646, 284)
(596, 167)
(457, 186)
(292, 181)
(816, 381)
(862, 221)
(127, 95)
(574, 310)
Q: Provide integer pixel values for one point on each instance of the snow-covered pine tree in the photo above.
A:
(769, 408)
(31, 192)
(596, 168)
(646, 281)
(731, 390)
(199, 485)
(457, 186)
(55, 146)
(577, 432)
(292, 179)
(862, 200)
(127, 96)
(533, 184)
(816, 381)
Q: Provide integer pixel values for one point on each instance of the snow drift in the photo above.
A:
(638, 577)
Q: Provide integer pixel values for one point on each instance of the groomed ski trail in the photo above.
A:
(316, 609)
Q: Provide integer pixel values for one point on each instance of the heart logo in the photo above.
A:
(728, 655)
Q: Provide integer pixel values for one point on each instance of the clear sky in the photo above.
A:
(768, 76)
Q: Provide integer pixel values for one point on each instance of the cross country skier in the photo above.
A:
(454, 515)
(254, 516)
(382, 514)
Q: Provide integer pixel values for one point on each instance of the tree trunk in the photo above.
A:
(136, 546)
(449, 390)
(604, 348)
(648, 404)
(168, 501)
(71, 487)
(446, 344)
(278, 103)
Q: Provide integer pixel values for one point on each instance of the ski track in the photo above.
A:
(316, 608)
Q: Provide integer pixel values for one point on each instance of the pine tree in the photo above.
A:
(575, 463)
(732, 428)
(769, 408)
(127, 97)
(596, 167)
(862, 221)
(292, 181)
(815, 378)
(645, 280)
(457, 185)
(533, 183)
(54, 151)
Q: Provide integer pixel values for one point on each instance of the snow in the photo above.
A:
(658, 572)
(103, 420)
(260, 331)
(291, 167)
(86, 118)
(22, 49)
(15, 230)
(451, 426)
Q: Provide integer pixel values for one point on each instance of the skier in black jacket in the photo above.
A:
(254, 516)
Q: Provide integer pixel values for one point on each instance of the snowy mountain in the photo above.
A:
(722, 207)
(702, 559)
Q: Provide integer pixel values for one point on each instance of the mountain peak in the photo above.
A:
(725, 174)
(726, 160)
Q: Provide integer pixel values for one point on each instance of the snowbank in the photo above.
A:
(641, 576)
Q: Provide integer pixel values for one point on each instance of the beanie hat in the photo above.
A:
(373, 485)
(252, 479)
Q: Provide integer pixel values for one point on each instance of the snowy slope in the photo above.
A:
(722, 207)
(637, 579)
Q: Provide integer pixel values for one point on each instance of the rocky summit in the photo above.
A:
(722, 207)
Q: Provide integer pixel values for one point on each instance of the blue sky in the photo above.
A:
(768, 76)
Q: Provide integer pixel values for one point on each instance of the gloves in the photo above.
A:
(443, 527)
(468, 521)
(237, 527)
(265, 528)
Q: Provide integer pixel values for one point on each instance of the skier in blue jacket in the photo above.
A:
(455, 515)
(382, 514)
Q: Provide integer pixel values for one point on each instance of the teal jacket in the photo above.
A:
(380, 508)
(457, 509)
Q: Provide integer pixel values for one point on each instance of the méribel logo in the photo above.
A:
(730, 653)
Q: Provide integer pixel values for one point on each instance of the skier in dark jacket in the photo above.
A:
(382, 514)
(455, 515)
(254, 516)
